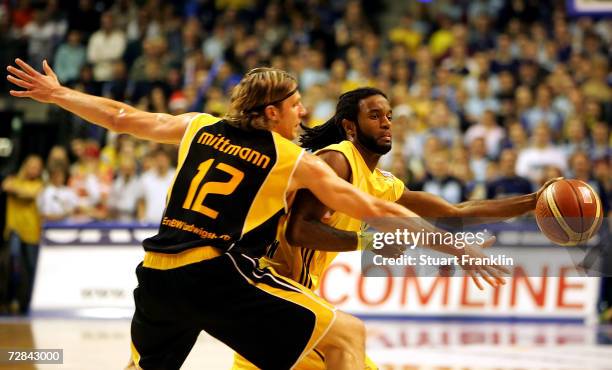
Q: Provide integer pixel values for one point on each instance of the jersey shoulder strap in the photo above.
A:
(196, 123)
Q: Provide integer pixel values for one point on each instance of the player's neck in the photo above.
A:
(370, 158)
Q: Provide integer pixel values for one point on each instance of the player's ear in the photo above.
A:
(349, 127)
(271, 112)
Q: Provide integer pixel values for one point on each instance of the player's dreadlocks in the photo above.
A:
(332, 132)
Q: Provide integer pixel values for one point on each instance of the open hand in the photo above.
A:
(492, 273)
(38, 86)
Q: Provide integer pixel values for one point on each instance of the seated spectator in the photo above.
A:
(126, 191)
(444, 124)
(85, 181)
(543, 111)
(488, 129)
(438, 180)
(601, 140)
(153, 183)
(479, 161)
(508, 184)
(482, 101)
(57, 202)
(70, 57)
(315, 72)
(532, 161)
(576, 137)
(517, 137)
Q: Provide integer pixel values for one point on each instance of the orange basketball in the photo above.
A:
(569, 212)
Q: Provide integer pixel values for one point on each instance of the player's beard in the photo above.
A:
(370, 143)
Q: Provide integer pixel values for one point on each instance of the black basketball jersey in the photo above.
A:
(229, 189)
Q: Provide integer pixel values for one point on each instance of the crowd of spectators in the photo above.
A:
(490, 98)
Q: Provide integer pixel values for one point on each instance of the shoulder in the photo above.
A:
(286, 147)
(337, 161)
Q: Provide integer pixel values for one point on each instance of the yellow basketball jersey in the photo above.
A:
(307, 265)
(228, 191)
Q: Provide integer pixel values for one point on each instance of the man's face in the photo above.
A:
(291, 114)
(507, 162)
(374, 124)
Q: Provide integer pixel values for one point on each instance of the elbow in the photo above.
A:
(117, 120)
(114, 122)
(297, 231)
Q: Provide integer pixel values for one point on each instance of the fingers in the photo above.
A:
(491, 281)
(475, 279)
(19, 73)
(48, 69)
(20, 94)
(18, 82)
(26, 67)
(489, 242)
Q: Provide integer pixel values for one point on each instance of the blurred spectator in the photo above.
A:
(533, 160)
(22, 14)
(40, 33)
(84, 179)
(488, 129)
(70, 58)
(517, 136)
(123, 11)
(479, 161)
(150, 68)
(576, 137)
(57, 202)
(315, 72)
(601, 141)
(154, 185)
(543, 111)
(58, 155)
(105, 47)
(439, 181)
(126, 191)
(118, 87)
(454, 73)
(22, 230)
(508, 183)
(406, 33)
(482, 101)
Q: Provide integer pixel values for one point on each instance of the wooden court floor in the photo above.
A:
(104, 344)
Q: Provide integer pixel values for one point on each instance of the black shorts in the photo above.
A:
(270, 320)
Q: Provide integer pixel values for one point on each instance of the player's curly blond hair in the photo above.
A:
(259, 88)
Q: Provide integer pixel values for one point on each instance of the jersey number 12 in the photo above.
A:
(221, 188)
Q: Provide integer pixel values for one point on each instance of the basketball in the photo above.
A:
(569, 212)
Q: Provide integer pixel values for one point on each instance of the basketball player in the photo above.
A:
(352, 142)
(233, 175)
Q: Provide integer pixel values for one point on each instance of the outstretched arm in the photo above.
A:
(471, 212)
(110, 114)
(337, 194)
